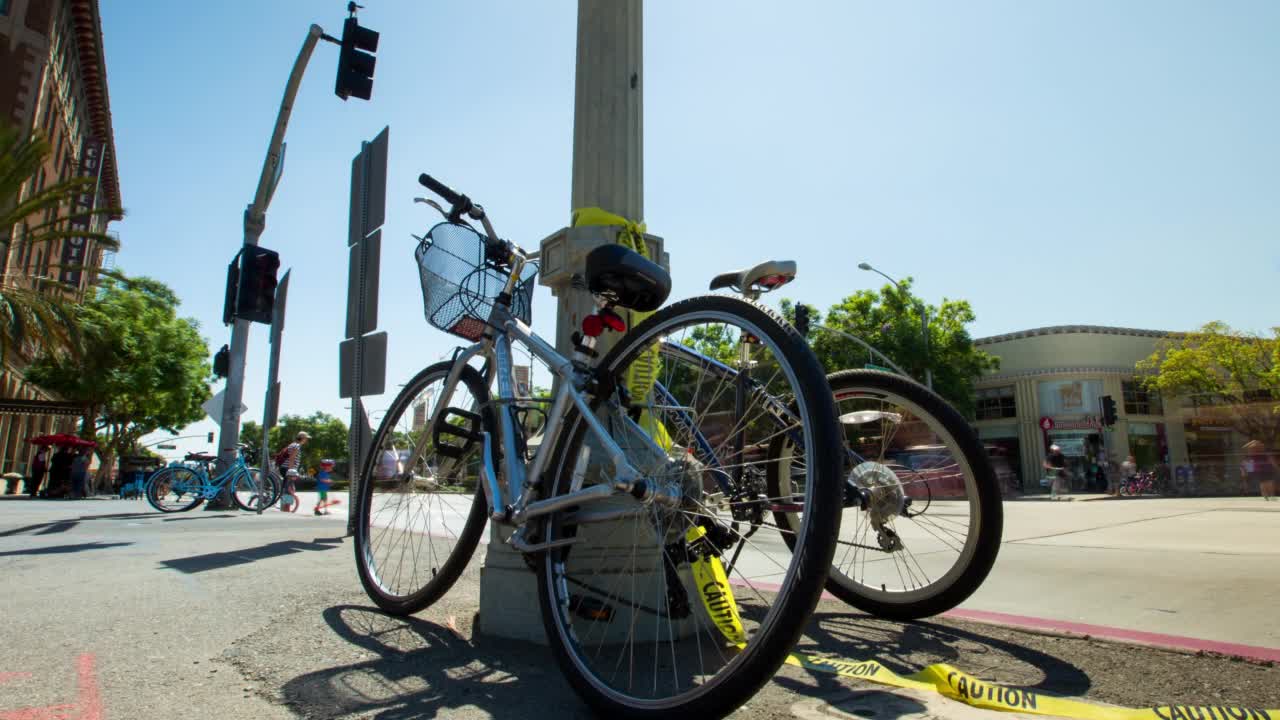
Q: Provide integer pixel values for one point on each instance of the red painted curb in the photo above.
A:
(1139, 637)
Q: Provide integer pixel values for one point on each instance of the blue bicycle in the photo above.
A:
(181, 487)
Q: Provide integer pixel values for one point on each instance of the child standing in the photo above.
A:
(323, 482)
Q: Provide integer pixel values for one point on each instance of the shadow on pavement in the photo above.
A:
(424, 670)
(63, 549)
(906, 648)
(198, 517)
(57, 526)
(219, 560)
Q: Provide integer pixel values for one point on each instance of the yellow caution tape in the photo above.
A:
(713, 586)
(957, 685)
(643, 372)
(717, 597)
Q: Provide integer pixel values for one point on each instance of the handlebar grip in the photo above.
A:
(439, 188)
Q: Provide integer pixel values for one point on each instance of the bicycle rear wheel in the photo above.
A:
(176, 489)
(248, 489)
(417, 526)
(923, 515)
(637, 628)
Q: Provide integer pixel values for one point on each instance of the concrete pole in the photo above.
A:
(608, 109)
(255, 220)
(608, 172)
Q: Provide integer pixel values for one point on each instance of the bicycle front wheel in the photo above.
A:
(923, 514)
(677, 608)
(419, 521)
(176, 489)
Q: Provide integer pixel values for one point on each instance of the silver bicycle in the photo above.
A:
(650, 467)
(922, 505)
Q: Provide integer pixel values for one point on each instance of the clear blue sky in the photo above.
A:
(1052, 162)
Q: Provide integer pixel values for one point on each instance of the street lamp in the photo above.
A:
(924, 322)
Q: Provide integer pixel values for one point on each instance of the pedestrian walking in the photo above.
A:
(289, 460)
(38, 468)
(1128, 472)
(1260, 466)
(80, 474)
(1056, 464)
(59, 474)
(323, 482)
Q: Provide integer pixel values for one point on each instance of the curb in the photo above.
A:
(1085, 631)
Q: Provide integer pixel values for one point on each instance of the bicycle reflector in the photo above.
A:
(590, 608)
(605, 319)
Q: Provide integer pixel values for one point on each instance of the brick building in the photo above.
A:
(53, 81)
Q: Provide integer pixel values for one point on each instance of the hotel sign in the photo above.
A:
(75, 247)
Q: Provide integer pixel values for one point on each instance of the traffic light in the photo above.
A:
(1108, 411)
(229, 300)
(222, 362)
(211, 434)
(256, 296)
(355, 66)
(802, 319)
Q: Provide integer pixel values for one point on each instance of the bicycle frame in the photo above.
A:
(210, 488)
(514, 504)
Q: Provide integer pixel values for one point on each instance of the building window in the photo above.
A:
(1138, 400)
(996, 403)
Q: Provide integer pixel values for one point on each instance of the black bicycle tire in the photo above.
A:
(764, 655)
(274, 496)
(146, 491)
(991, 523)
(468, 539)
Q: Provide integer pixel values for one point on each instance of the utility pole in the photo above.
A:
(255, 220)
(608, 172)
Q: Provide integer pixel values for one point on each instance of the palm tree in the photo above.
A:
(39, 312)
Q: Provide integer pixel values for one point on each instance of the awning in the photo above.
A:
(14, 406)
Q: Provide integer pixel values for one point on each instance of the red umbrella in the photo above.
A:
(62, 439)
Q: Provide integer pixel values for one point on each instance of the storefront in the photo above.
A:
(1048, 390)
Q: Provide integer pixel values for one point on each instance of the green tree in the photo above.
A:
(37, 315)
(142, 368)
(1231, 375)
(328, 439)
(889, 320)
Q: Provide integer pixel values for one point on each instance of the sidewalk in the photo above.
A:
(342, 659)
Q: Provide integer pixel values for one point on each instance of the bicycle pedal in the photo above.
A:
(453, 440)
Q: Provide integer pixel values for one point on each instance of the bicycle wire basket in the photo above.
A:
(459, 287)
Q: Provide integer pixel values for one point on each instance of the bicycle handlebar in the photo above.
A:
(495, 250)
(439, 188)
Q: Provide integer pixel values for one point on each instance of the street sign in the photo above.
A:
(273, 407)
(362, 298)
(213, 406)
(373, 365)
(167, 447)
(276, 172)
(873, 366)
(362, 356)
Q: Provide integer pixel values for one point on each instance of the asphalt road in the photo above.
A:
(112, 611)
